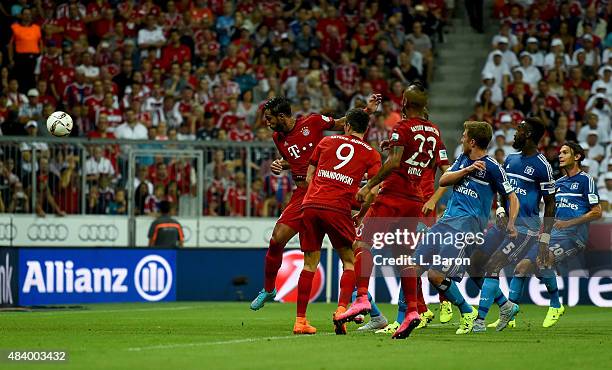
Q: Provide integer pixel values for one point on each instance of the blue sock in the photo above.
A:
(401, 307)
(549, 279)
(452, 293)
(478, 281)
(516, 288)
(500, 298)
(375, 310)
(490, 287)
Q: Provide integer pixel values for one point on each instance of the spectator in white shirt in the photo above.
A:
(508, 55)
(497, 68)
(596, 151)
(151, 37)
(500, 143)
(488, 82)
(592, 124)
(537, 56)
(604, 81)
(32, 129)
(505, 31)
(131, 129)
(556, 49)
(88, 69)
(591, 167)
(600, 105)
(531, 73)
(98, 165)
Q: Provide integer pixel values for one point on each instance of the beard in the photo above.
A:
(518, 144)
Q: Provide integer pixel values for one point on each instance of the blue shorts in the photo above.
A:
(515, 249)
(434, 251)
(562, 248)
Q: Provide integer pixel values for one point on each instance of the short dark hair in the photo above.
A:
(576, 150)
(537, 128)
(164, 207)
(358, 120)
(278, 105)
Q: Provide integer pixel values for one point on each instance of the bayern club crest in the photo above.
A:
(305, 131)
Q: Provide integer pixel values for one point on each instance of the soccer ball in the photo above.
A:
(59, 124)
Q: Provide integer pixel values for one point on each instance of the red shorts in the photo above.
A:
(318, 222)
(388, 212)
(292, 214)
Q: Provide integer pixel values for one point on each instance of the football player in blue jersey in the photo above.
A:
(577, 204)
(530, 175)
(475, 178)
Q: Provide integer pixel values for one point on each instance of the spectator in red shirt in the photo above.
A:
(347, 77)
(235, 197)
(175, 51)
(241, 132)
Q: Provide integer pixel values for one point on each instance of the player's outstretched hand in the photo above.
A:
(373, 101)
(428, 206)
(363, 194)
(511, 229)
(277, 166)
(385, 144)
(561, 224)
(477, 166)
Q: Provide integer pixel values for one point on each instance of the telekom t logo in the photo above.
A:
(294, 151)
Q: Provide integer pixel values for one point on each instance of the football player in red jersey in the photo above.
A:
(336, 168)
(296, 140)
(415, 148)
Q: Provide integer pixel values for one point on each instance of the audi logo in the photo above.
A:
(8, 232)
(98, 233)
(227, 234)
(48, 232)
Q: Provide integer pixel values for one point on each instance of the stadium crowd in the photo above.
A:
(552, 60)
(194, 71)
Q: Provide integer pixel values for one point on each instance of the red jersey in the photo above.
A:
(423, 153)
(341, 162)
(297, 145)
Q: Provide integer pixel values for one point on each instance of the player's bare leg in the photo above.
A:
(347, 285)
(274, 258)
(311, 263)
(363, 270)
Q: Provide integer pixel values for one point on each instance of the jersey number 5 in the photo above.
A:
(412, 160)
(344, 159)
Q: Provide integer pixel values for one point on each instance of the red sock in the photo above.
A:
(304, 287)
(421, 306)
(409, 286)
(347, 285)
(274, 259)
(363, 269)
(442, 298)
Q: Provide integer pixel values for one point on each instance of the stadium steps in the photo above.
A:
(459, 62)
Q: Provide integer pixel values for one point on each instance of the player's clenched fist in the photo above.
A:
(476, 166)
(278, 166)
(363, 194)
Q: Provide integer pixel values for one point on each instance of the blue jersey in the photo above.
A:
(574, 197)
(470, 204)
(531, 177)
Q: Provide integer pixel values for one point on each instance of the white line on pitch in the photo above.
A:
(233, 341)
(126, 310)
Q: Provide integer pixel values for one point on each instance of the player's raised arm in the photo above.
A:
(373, 102)
(393, 161)
(430, 205)
(451, 177)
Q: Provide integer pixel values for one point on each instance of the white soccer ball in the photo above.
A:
(59, 124)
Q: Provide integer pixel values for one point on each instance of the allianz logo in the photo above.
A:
(152, 278)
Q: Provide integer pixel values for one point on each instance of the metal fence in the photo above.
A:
(129, 177)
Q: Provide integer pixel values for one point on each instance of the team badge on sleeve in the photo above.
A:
(593, 199)
(394, 136)
(443, 155)
(507, 187)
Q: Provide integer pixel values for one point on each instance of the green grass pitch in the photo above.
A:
(196, 335)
